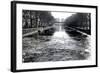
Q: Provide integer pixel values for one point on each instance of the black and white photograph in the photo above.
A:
(55, 36)
(47, 36)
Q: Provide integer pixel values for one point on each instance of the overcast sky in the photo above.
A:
(61, 15)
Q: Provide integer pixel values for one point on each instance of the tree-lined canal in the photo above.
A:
(63, 44)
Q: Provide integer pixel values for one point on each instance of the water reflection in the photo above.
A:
(62, 45)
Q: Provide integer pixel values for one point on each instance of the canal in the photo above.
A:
(63, 44)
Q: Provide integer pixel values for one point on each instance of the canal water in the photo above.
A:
(63, 45)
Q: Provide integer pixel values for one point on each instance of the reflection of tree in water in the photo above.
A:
(51, 48)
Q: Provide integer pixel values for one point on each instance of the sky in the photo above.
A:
(61, 15)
